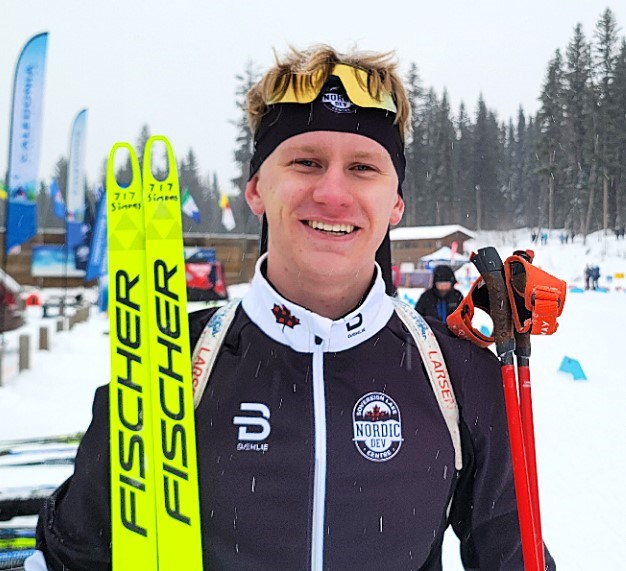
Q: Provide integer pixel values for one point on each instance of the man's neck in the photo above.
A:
(331, 298)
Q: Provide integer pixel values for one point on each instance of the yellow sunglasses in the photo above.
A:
(354, 81)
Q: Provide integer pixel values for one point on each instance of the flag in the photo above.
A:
(228, 220)
(58, 205)
(190, 207)
(3, 191)
(76, 183)
(81, 249)
(25, 142)
(97, 265)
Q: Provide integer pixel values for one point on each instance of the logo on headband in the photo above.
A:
(335, 99)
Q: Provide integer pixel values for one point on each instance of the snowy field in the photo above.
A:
(580, 426)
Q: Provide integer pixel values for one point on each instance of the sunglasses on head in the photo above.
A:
(306, 88)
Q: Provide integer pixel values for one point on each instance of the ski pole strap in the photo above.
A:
(438, 376)
(537, 298)
(460, 320)
(208, 346)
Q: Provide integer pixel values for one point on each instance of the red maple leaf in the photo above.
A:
(376, 414)
(284, 316)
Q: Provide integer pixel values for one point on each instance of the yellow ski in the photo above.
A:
(133, 485)
(178, 502)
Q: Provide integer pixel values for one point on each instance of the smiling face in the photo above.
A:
(329, 198)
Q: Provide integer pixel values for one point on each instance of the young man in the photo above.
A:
(315, 357)
(442, 298)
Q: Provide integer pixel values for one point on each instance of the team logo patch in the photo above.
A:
(284, 317)
(377, 427)
(335, 99)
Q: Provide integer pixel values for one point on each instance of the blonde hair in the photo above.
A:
(381, 69)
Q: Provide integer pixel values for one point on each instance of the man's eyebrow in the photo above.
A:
(305, 149)
(311, 149)
(368, 154)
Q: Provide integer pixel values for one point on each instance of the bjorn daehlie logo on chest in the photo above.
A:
(254, 427)
(377, 427)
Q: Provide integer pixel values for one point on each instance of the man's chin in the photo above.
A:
(337, 263)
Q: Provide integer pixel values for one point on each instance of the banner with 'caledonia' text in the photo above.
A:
(25, 142)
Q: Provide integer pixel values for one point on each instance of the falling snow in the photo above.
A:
(578, 439)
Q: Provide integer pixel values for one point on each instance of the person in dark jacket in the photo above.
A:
(442, 298)
(320, 443)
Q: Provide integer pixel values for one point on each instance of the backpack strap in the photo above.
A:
(435, 364)
(208, 346)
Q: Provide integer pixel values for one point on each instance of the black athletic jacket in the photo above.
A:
(321, 446)
(430, 304)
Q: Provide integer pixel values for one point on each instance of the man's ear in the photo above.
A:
(397, 211)
(253, 198)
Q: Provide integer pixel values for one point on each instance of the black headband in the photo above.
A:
(331, 111)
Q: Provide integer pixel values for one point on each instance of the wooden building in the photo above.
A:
(408, 245)
(237, 252)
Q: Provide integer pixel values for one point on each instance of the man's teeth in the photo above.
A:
(335, 228)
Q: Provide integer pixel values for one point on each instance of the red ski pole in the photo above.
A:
(522, 351)
(489, 264)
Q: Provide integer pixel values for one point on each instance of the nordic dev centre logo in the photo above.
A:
(335, 99)
(377, 427)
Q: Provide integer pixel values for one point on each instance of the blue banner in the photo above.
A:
(25, 142)
(58, 205)
(75, 196)
(97, 265)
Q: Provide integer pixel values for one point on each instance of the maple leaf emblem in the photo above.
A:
(376, 414)
(284, 316)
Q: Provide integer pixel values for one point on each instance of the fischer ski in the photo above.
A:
(133, 493)
(154, 478)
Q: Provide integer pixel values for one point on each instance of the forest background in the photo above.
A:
(563, 167)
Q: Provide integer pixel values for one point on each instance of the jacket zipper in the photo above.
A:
(319, 478)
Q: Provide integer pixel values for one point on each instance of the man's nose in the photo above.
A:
(334, 188)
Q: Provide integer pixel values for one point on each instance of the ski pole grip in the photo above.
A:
(489, 264)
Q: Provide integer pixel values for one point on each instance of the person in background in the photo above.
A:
(442, 298)
(595, 276)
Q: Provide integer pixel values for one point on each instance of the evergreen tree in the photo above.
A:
(425, 196)
(140, 145)
(578, 106)
(619, 89)
(465, 169)
(414, 150)
(532, 169)
(60, 174)
(520, 156)
(444, 188)
(246, 221)
(550, 118)
(605, 49)
(485, 168)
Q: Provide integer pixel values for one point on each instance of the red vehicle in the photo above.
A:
(204, 276)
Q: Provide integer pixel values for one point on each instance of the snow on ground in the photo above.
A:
(580, 428)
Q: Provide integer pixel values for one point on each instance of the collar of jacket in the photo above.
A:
(304, 331)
